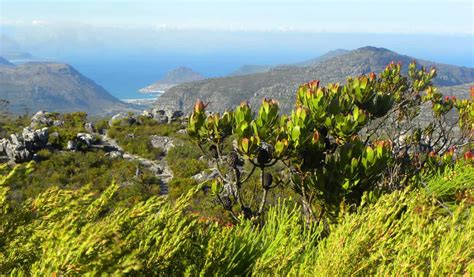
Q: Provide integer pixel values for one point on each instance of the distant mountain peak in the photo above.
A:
(373, 49)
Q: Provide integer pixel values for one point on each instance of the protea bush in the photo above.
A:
(340, 141)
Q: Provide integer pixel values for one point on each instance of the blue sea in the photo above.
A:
(123, 75)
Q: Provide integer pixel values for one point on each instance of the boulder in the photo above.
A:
(206, 176)
(35, 139)
(84, 139)
(18, 153)
(21, 147)
(90, 128)
(115, 154)
(58, 123)
(71, 145)
(161, 142)
(122, 119)
(160, 116)
(147, 114)
(174, 115)
(41, 118)
(3, 145)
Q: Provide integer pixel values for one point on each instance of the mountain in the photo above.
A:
(252, 69)
(322, 58)
(5, 62)
(174, 77)
(54, 87)
(281, 82)
(460, 91)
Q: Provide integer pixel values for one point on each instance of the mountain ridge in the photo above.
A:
(54, 87)
(281, 82)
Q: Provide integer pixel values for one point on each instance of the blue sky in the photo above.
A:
(264, 31)
(367, 16)
(125, 45)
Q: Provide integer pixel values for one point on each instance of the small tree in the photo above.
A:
(337, 143)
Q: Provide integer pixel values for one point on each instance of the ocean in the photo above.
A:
(123, 75)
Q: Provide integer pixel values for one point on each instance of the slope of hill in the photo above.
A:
(250, 69)
(322, 58)
(174, 77)
(280, 83)
(5, 62)
(459, 91)
(53, 87)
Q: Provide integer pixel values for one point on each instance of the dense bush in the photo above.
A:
(64, 232)
(332, 145)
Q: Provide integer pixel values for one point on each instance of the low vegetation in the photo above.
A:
(135, 138)
(73, 170)
(66, 231)
(348, 184)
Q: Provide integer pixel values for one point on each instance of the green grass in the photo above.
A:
(71, 231)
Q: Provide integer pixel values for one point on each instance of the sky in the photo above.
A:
(366, 16)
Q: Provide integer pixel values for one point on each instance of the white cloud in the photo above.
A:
(38, 22)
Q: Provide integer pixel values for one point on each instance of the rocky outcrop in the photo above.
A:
(43, 118)
(21, 147)
(161, 142)
(82, 141)
(122, 119)
(163, 116)
(90, 128)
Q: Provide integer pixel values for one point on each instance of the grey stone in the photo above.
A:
(174, 115)
(115, 154)
(71, 145)
(41, 118)
(58, 123)
(89, 126)
(35, 139)
(147, 114)
(3, 145)
(204, 176)
(122, 119)
(21, 147)
(15, 139)
(85, 139)
(161, 142)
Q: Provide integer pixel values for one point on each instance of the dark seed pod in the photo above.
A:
(267, 180)
(263, 156)
(227, 203)
(213, 151)
(233, 159)
(247, 212)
